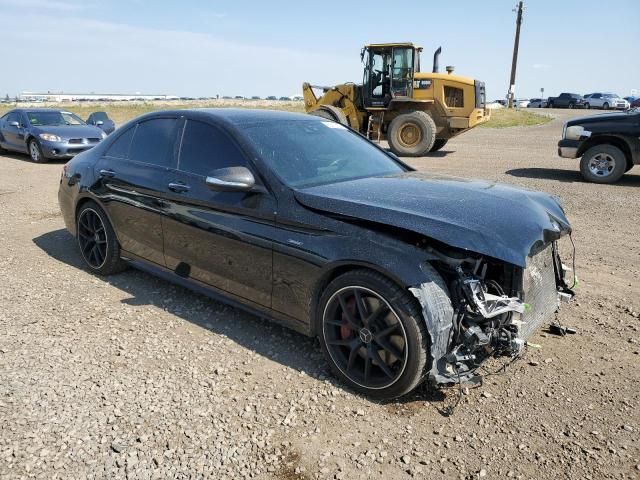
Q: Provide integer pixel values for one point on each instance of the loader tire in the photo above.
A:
(331, 113)
(412, 134)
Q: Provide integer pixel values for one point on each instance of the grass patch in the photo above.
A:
(121, 112)
(511, 117)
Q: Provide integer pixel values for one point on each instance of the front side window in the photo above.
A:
(13, 117)
(153, 142)
(304, 153)
(206, 148)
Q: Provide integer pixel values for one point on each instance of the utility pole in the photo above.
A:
(514, 61)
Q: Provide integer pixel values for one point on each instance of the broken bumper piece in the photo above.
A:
(486, 322)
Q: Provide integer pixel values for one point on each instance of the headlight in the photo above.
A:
(49, 137)
(576, 132)
(104, 135)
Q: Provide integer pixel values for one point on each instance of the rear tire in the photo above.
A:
(571, 105)
(331, 113)
(412, 134)
(350, 343)
(605, 106)
(35, 152)
(438, 144)
(97, 240)
(587, 106)
(550, 105)
(603, 164)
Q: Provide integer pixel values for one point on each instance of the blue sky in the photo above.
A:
(203, 48)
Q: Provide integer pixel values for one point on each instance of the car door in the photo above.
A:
(596, 100)
(13, 135)
(133, 183)
(221, 238)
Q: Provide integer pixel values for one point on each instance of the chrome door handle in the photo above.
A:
(107, 173)
(179, 187)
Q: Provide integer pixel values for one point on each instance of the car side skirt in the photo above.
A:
(216, 294)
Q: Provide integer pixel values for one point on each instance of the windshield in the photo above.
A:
(303, 153)
(38, 119)
(99, 117)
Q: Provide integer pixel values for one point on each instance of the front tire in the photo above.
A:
(412, 134)
(97, 241)
(587, 106)
(35, 152)
(603, 164)
(373, 335)
(605, 106)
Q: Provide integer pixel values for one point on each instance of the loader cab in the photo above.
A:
(388, 73)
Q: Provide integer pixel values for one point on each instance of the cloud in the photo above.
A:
(83, 54)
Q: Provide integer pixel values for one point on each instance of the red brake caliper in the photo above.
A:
(345, 329)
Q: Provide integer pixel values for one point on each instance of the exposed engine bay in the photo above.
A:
(496, 308)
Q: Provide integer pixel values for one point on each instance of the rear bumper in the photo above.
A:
(568, 148)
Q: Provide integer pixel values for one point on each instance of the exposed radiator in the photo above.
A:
(540, 293)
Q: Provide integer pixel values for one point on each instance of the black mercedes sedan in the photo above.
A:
(404, 276)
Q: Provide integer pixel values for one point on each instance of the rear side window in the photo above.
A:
(120, 148)
(153, 142)
(206, 148)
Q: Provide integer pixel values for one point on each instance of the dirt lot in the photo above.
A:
(132, 377)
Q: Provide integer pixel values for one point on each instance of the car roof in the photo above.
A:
(235, 116)
(35, 110)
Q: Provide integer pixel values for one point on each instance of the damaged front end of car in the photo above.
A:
(497, 306)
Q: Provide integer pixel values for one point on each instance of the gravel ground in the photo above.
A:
(132, 377)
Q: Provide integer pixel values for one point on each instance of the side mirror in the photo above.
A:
(99, 122)
(231, 179)
(14, 124)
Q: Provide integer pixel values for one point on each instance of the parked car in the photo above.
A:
(102, 120)
(635, 103)
(285, 98)
(501, 101)
(272, 97)
(605, 101)
(261, 208)
(45, 133)
(537, 103)
(566, 100)
(521, 103)
(255, 97)
(608, 145)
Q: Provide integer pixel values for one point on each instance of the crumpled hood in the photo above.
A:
(497, 220)
(70, 131)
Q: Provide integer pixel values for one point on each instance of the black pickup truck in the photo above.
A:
(609, 144)
(566, 100)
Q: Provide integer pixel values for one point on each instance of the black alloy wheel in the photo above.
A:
(92, 238)
(97, 241)
(365, 337)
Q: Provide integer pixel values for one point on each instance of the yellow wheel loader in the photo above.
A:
(416, 112)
